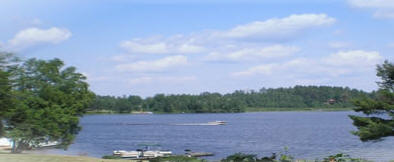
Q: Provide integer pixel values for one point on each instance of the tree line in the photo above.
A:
(238, 101)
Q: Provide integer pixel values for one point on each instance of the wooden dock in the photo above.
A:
(199, 154)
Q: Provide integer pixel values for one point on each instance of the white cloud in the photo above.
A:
(277, 28)
(35, 36)
(299, 64)
(372, 3)
(140, 80)
(356, 58)
(265, 69)
(161, 80)
(271, 31)
(173, 45)
(383, 8)
(123, 58)
(338, 44)
(253, 53)
(155, 65)
(389, 14)
(337, 64)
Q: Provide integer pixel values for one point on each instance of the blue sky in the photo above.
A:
(144, 47)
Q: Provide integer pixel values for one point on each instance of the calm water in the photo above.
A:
(308, 135)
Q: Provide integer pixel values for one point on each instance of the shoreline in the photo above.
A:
(247, 110)
(297, 109)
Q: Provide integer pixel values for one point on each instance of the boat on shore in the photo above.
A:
(141, 154)
(145, 153)
(199, 154)
(142, 112)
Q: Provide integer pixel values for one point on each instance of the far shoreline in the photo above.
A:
(247, 110)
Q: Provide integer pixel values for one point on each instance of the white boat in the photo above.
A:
(127, 154)
(153, 154)
(204, 124)
(142, 154)
(218, 122)
(142, 112)
(48, 144)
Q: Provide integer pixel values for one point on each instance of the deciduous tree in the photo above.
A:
(51, 98)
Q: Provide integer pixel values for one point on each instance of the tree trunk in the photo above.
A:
(18, 146)
(1, 128)
(14, 146)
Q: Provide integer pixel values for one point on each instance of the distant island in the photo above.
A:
(271, 99)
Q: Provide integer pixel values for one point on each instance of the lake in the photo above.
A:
(308, 135)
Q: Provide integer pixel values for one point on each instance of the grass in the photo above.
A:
(260, 109)
(49, 158)
(7, 157)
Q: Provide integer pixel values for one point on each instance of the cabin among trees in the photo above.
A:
(330, 101)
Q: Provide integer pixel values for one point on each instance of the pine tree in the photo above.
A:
(379, 111)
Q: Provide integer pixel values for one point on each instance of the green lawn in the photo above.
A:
(7, 157)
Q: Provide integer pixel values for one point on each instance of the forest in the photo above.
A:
(293, 97)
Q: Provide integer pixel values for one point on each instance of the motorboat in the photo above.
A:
(218, 122)
(205, 124)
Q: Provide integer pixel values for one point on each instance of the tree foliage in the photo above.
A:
(294, 97)
(49, 101)
(379, 111)
(6, 100)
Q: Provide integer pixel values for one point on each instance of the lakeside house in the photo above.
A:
(5, 143)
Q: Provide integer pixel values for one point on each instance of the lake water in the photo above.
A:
(307, 135)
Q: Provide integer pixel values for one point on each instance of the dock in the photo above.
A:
(199, 154)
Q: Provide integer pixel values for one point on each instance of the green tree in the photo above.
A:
(135, 102)
(51, 98)
(379, 111)
(5, 89)
(7, 63)
(122, 105)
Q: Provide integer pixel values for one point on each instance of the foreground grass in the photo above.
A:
(48, 158)
(7, 157)
(259, 109)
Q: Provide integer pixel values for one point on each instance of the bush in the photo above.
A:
(111, 157)
(241, 157)
(176, 159)
(342, 158)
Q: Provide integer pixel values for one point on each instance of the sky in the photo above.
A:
(145, 47)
